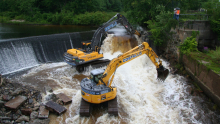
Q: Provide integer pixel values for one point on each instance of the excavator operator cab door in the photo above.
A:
(96, 74)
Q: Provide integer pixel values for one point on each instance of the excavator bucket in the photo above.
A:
(162, 73)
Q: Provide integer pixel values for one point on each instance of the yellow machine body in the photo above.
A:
(97, 99)
(82, 56)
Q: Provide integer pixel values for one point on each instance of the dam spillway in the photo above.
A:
(22, 53)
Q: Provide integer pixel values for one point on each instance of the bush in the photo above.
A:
(10, 14)
(190, 44)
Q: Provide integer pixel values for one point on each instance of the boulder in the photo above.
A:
(33, 115)
(39, 121)
(16, 92)
(23, 118)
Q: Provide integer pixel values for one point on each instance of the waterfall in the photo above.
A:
(71, 42)
(22, 53)
(16, 56)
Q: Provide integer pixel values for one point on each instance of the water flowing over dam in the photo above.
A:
(21, 53)
(141, 97)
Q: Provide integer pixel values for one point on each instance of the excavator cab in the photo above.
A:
(86, 45)
(96, 75)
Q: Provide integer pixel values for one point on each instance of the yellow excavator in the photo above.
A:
(89, 53)
(97, 88)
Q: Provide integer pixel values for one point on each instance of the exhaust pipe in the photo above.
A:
(162, 73)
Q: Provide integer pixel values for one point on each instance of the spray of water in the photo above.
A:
(119, 30)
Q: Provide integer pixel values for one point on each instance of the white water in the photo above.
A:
(141, 97)
(16, 56)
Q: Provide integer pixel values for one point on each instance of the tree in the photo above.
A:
(140, 11)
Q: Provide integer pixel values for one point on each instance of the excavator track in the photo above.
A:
(113, 107)
(95, 64)
(84, 108)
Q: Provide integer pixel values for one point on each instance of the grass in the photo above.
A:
(212, 57)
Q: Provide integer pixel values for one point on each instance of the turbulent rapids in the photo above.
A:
(141, 97)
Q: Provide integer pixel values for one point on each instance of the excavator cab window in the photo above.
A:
(96, 78)
(86, 45)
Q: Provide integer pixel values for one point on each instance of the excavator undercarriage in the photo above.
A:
(86, 107)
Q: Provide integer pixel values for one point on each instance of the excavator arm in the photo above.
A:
(101, 31)
(144, 48)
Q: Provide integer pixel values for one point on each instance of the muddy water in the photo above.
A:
(141, 97)
(119, 43)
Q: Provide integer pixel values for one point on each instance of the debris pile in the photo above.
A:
(23, 104)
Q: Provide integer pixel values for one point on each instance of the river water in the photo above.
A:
(141, 97)
(8, 31)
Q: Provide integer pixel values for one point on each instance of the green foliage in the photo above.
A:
(215, 54)
(161, 26)
(140, 11)
(195, 34)
(93, 18)
(213, 8)
(4, 19)
(63, 18)
(189, 44)
(212, 57)
(83, 12)
(215, 26)
(191, 4)
(29, 7)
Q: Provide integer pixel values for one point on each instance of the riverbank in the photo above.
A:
(203, 80)
(63, 18)
(24, 103)
(28, 111)
(202, 67)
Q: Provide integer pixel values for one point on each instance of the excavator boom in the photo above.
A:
(144, 48)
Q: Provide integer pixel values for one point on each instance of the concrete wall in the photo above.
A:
(206, 79)
(206, 36)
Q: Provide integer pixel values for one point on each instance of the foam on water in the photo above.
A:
(140, 94)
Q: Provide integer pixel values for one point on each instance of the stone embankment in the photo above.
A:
(22, 104)
(206, 79)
